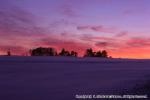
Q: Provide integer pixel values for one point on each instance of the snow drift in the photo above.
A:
(61, 78)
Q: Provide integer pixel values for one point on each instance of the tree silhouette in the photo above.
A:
(8, 53)
(73, 53)
(51, 51)
(40, 51)
(89, 53)
(76, 54)
(98, 54)
(43, 52)
(104, 54)
(64, 53)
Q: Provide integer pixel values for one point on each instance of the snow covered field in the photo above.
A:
(60, 78)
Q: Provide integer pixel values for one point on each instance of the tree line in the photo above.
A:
(51, 52)
(41, 51)
(91, 53)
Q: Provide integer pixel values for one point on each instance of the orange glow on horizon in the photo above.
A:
(130, 53)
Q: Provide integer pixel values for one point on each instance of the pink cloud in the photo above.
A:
(121, 34)
(97, 28)
(16, 22)
(138, 42)
(106, 44)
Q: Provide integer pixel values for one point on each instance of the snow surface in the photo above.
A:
(61, 78)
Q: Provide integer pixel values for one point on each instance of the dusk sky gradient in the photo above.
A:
(122, 27)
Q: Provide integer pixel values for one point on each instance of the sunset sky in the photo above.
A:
(122, 27)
